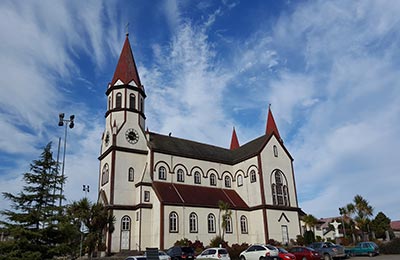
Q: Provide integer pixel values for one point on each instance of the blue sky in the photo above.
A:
(330, 69)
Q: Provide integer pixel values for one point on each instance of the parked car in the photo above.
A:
(260, 252)
(162, 255)
(328, 250)
(305, 253)
(214, 253)
(137, 257)
(363, 248)
(181, 252)
(285, 255)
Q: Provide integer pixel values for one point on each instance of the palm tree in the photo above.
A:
(226, 213)
(310, 221)
(95, 218)
(361, 210)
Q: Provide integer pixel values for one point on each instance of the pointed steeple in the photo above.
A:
(271, 126)
(126, 70)
(234, 140)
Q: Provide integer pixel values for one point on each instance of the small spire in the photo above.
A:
(271, 125)
(234, 140)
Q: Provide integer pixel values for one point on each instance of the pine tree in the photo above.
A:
(380, 225)
(38, 226)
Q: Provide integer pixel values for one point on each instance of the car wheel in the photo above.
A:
(327, 257)
(262, 258)
(304, 258)
(370, 254)
(242, 258)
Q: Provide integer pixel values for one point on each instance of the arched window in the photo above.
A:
(162, 173)
(197, 177)
(131, 174)
(228, 227)
(173, 222)
(280, 192)
(132, 101)
(227, 181)
(193, 222)
(240, 180)
(126, 223)
(275, 151)
(253, 177)
(180, 175)
(243, 225)
(211, 223)
(104, 174)
(118, 102)
(213, 180)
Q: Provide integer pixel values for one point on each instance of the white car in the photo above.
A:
(136, 257)
(214, 253)
(260, 252)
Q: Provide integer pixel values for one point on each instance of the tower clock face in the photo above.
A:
(132, 136)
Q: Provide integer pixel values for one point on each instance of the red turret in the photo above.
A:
(126, 70)
(234, 141)
(271, 126)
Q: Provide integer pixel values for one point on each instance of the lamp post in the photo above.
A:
(71, 125)
(86, 189)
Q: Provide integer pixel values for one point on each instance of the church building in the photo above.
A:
(162, 188)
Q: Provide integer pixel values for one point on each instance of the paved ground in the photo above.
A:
(379, 257)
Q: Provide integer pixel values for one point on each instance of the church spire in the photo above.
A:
(126, 70)
(234, 140)
(271, 126)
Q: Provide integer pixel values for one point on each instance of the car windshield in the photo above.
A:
(187, 249)
(282, 250)
(270, 247)
(222, 251)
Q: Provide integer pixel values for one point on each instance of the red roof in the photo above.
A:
(234, 141)
(395, 225)
(126, 70)
(193, 195)
(271, 126)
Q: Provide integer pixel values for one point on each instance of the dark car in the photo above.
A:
(305, 253)
(329, 250)
(181, 252)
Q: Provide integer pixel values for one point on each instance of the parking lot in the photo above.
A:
(379, 257)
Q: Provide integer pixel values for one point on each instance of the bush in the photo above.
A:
(300, 240)
(309, 237)
(392, 247)
(235, 250)
(217, 240)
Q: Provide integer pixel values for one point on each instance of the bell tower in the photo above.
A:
(123, 156)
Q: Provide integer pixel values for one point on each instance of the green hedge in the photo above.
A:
(392, 247)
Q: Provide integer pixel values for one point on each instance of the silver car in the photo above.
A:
(215, 253)
(260, 252)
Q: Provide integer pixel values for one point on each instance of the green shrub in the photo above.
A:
(235, 250)
(392, 247)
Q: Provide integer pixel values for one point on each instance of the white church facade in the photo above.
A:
(162, 188)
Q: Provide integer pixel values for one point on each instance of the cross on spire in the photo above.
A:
(127, 29)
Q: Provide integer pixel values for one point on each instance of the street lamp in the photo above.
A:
(71, 125)
(86, 189)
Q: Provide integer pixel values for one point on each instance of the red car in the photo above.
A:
(305, 253)
(285, 255)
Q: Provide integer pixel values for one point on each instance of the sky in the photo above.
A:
(329, 69)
